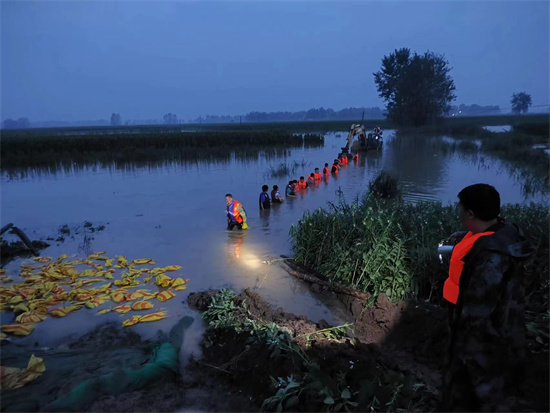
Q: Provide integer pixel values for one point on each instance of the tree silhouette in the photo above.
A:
(520, 102)
(416, 88)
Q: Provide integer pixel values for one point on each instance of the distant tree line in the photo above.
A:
(16, 123)
(303, 115)
(115, 119)
(474, 110)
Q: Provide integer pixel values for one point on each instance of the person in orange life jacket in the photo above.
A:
(311, 179)
(276, 196)
(355, 157)
(343, 159)
(302, 184)
(326, 170)
(296, 186)
(236, 215)
(486, 296)
(335, 167)
(290, 189)
(317, 174)
(264, 200)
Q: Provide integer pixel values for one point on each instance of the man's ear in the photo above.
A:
(470, 214)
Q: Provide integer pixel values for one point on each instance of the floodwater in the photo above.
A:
(499, 128)
(175, 214)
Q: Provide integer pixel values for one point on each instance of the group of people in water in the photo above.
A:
(236, 215)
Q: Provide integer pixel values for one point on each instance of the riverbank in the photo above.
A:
(256, 357)
(378, 245)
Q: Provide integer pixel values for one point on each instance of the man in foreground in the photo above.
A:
(487, 299)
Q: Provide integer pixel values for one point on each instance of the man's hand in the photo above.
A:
(456, 237)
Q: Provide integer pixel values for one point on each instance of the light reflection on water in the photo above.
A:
(175, 213)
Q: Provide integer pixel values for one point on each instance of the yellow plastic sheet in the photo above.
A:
(18, 329)
(153, 317)
(142, 305)
(131, 321)
(142, 261)
(123, 309)
(30, 317)
(165, 295)
(13, 378)
(64, 311)
(68, 287)
(163, 280)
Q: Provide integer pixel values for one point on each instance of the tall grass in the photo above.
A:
(281, 171)
(50, 150)
(377, 246)
(286, 169)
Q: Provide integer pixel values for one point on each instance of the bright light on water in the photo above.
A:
(251, 261)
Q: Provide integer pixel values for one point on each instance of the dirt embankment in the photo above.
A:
(387, 350)
(392, 358)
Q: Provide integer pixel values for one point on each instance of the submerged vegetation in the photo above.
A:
(285, 169)
(523, 150)
(377, 246)
(20, 151)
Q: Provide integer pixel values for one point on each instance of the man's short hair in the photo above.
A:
(482, 199)
(229, 195)
(265, 188)
(275, 187)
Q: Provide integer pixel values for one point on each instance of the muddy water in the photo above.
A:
(176, 215)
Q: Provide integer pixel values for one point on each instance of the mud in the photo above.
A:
(362, 357)
(11, 250)
(392, 345)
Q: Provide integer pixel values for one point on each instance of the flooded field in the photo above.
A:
(175, 213)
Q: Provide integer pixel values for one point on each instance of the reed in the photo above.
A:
(51, 150)
(378, 246)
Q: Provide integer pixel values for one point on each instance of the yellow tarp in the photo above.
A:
(13, 378)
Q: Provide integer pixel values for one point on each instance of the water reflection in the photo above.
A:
(234, 247)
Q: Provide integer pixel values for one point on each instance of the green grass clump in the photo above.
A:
(377, 246)
(385, 186)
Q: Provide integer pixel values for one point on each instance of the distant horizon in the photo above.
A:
(535, 109)
(159, 121)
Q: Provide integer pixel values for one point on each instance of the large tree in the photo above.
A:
(520, 102)
(416, 88)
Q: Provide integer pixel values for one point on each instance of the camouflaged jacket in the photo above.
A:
(487, 345)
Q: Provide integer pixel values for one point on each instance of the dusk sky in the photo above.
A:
(81, 60)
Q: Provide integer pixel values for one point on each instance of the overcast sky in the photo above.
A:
(84, 60)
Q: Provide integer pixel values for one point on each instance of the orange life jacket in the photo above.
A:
(334, 168)
(302, 185)
(233, 211)
(325, 171)
(356, 157)
(451, 286)
(318, 176)
(344, 160)
(310, 179)
(296, 187)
